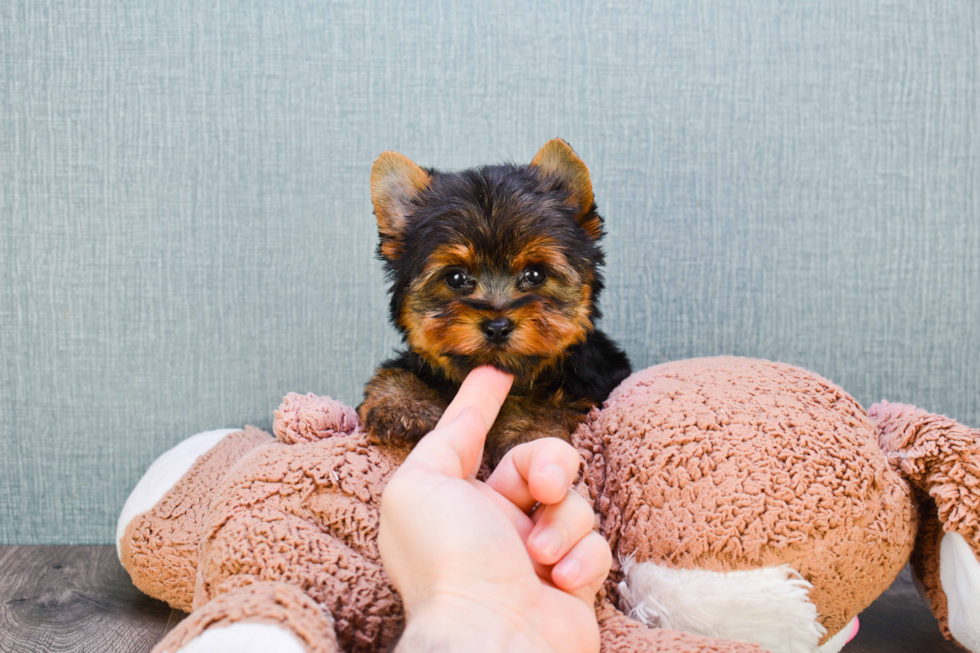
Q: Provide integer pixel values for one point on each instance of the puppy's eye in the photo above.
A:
(457, 279)
(535, 275)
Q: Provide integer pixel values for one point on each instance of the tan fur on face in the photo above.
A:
(440, 323)
(543, 250)
(445, 257)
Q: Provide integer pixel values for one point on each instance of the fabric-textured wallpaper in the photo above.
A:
(186, 231)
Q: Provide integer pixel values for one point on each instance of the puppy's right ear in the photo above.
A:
(395, 183)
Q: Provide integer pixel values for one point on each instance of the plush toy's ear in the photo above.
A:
(941, 458)
(395, 183)
(556, 160)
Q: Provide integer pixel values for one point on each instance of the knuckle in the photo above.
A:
(558, 446)
(602, 549)
(580, 507)
(585, 521)
(397, 489)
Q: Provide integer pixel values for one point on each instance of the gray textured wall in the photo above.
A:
(186, 229)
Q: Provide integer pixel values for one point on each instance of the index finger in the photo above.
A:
(483, 389)
(454, 447)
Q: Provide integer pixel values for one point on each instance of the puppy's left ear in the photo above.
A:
(395, 183)
(557, 161)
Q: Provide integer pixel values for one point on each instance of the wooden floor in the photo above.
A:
(78, 598)
(75, 598)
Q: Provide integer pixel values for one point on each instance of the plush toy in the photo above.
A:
(750, 506)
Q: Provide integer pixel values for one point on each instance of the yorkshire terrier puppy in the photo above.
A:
(497, 266)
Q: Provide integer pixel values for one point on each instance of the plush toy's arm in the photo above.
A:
(257, 618)
(941, 458)
(308, 418)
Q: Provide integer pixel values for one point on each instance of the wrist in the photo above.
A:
(453, 623)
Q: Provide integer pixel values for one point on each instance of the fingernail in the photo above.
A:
(556, 475)
(570, 570)
(548, 541)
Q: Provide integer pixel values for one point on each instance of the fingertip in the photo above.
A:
(492, 372)
(550, 484)
(585, 566)
(556, 476)
(490, 380)
(485, 389)
(545, 545)
(537, 472)
(566, 574)
(552, 469)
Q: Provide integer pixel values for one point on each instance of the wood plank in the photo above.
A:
(75, 598)
(78, 598)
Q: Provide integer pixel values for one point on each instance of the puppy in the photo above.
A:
(497, 266)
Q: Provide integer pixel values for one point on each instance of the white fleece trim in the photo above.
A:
(846, 634)
(768, 606)
(959, 572)
(162, 475)
(244, 638)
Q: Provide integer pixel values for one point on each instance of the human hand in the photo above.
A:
(477, 565)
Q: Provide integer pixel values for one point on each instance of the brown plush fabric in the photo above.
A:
(307, 514)
(278, 604)
(731, 463)
(161, 547)
(308, 418)
(719, 464)
(941, 458)
(925, 564)
(592, 480)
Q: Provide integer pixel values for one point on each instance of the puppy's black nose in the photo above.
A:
(498, 329)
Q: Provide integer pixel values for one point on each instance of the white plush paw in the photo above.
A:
(843, 636)
(959, 573)
(244, 638)
(769, 606)
(163, 474)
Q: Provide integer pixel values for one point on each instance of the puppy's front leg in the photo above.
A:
(399, 407)
(526, 418)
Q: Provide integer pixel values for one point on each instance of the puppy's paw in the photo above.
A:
(523, 419)
(399, 408)
(395, 423)
(499, 443)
